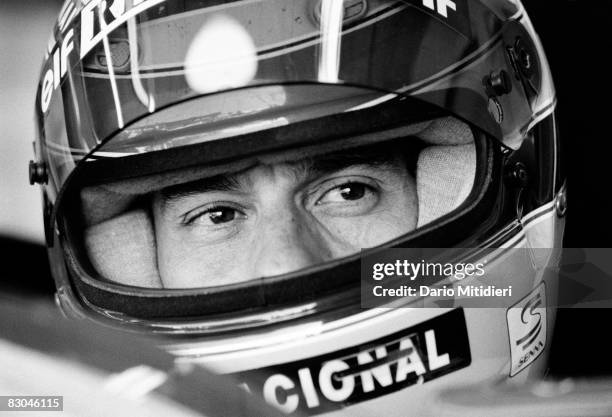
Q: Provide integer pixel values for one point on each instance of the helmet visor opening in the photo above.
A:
(260, 225)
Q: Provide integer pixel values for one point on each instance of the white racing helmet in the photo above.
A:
(142, 100)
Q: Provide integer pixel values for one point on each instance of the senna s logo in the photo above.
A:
(527, 329)
(529, 314)
(413, 356)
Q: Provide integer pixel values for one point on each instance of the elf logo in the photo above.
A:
(325, 383)
(98, 18)
(527, 329)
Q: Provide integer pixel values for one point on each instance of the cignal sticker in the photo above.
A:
(329, 382)
(527, 329)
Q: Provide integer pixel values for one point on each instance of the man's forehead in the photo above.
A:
(300, 170)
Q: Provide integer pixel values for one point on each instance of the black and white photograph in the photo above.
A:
(333, 208)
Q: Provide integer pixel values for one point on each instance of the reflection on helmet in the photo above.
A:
(218, 170)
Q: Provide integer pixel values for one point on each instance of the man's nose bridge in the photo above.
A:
(287, 243)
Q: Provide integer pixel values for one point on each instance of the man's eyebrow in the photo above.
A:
(303, 169)
(373, 156)
(339, 161)
(216, 183)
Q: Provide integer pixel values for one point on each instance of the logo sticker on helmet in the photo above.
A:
(413, 356)
(453, 13)
(443, 6)
(93, 28)
(527, 329)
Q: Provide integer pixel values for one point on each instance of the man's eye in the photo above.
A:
(351, 191)
(218, 215)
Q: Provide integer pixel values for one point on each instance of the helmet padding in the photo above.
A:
(123, 249)
(445, 177)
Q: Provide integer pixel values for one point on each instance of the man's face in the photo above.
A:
(277, 218)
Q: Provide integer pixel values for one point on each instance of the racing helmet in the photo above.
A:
(145, 103)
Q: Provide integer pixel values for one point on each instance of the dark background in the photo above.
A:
(576, 37)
